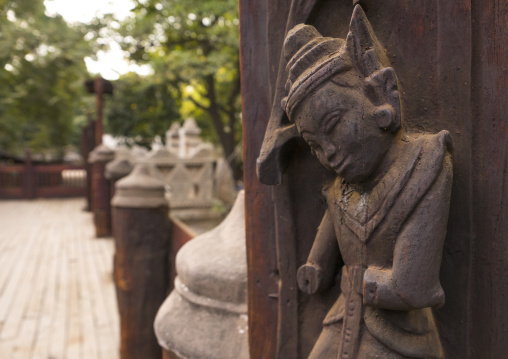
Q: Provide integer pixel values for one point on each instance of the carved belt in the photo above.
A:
(352, 289)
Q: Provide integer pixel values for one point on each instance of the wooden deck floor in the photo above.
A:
(57, 296)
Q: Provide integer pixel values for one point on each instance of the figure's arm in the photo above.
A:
(324, 258)
(413, 280)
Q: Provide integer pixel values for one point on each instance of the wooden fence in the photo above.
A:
(32, 181)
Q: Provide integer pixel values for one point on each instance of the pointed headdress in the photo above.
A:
(312, 58)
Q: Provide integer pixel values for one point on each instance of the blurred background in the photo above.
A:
(91, 92)
(168, 60)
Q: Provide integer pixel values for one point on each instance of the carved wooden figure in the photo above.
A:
(387, 209)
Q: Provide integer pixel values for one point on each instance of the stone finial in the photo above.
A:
(139, 190)
(160, 156)
(101, 153)
(191, 128)
(203, 151)
(209, 302)
(138, 153)
(157, 142)
(172, 137)
(118, 168)
(173, 131)
(189, 138)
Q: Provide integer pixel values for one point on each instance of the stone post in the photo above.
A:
(101, 190)
(205, 316)
(141, 260)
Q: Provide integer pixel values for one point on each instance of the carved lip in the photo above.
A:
(337, 167)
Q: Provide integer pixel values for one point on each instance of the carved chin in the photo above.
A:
(351, 174)
(337, 167)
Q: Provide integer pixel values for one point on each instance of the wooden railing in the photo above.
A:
(32, 181)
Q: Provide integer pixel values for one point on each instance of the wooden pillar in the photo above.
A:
(260, 226)
(101, 197)
(488, 318)
(450, 58)
(98, 86)
(141, 268)
(87, 146)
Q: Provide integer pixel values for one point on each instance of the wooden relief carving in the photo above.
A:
(387, 209)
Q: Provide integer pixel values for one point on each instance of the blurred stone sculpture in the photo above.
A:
(185, 141)
(387, 213)
(205, 316)
(172, 138)
(189, 182)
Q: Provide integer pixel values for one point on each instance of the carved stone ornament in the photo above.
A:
(387, 209)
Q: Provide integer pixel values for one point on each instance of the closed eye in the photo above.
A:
(332, 119)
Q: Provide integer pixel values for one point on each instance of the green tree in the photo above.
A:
(42, 71)
(193, 44)
(141, 107)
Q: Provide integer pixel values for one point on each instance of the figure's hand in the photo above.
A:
(310, 278)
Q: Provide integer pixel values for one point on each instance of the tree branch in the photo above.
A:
(226, 139)
(197, 104)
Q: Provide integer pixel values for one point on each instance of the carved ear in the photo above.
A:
(385, 117)
(382, 89)
(362, 44)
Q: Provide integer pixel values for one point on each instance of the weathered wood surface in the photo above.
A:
(141, 276)
(87, 146)
(47, 181)
(57, 296)
(450, 57)
(101, 197)
(488, 321)
(263, 276)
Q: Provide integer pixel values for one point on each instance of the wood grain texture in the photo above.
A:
(141, 276)
(260, 230)
(55, 300)
(450, 58)
(489, 266)
(101, 197)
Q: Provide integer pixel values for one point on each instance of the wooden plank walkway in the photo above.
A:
(57, 297)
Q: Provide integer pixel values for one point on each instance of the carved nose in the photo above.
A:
(330, 152)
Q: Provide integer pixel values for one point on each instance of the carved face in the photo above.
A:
(339, 124)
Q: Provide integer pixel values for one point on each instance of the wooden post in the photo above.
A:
(98, 86)
(450, 58)
(141, 266)
(29, 181)
(87, 145)
(260, 226)
(101, 190)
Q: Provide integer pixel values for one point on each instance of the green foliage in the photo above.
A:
(141, 107)
(41, 78)
(193, 44)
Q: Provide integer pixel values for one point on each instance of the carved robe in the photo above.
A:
(391, 241)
